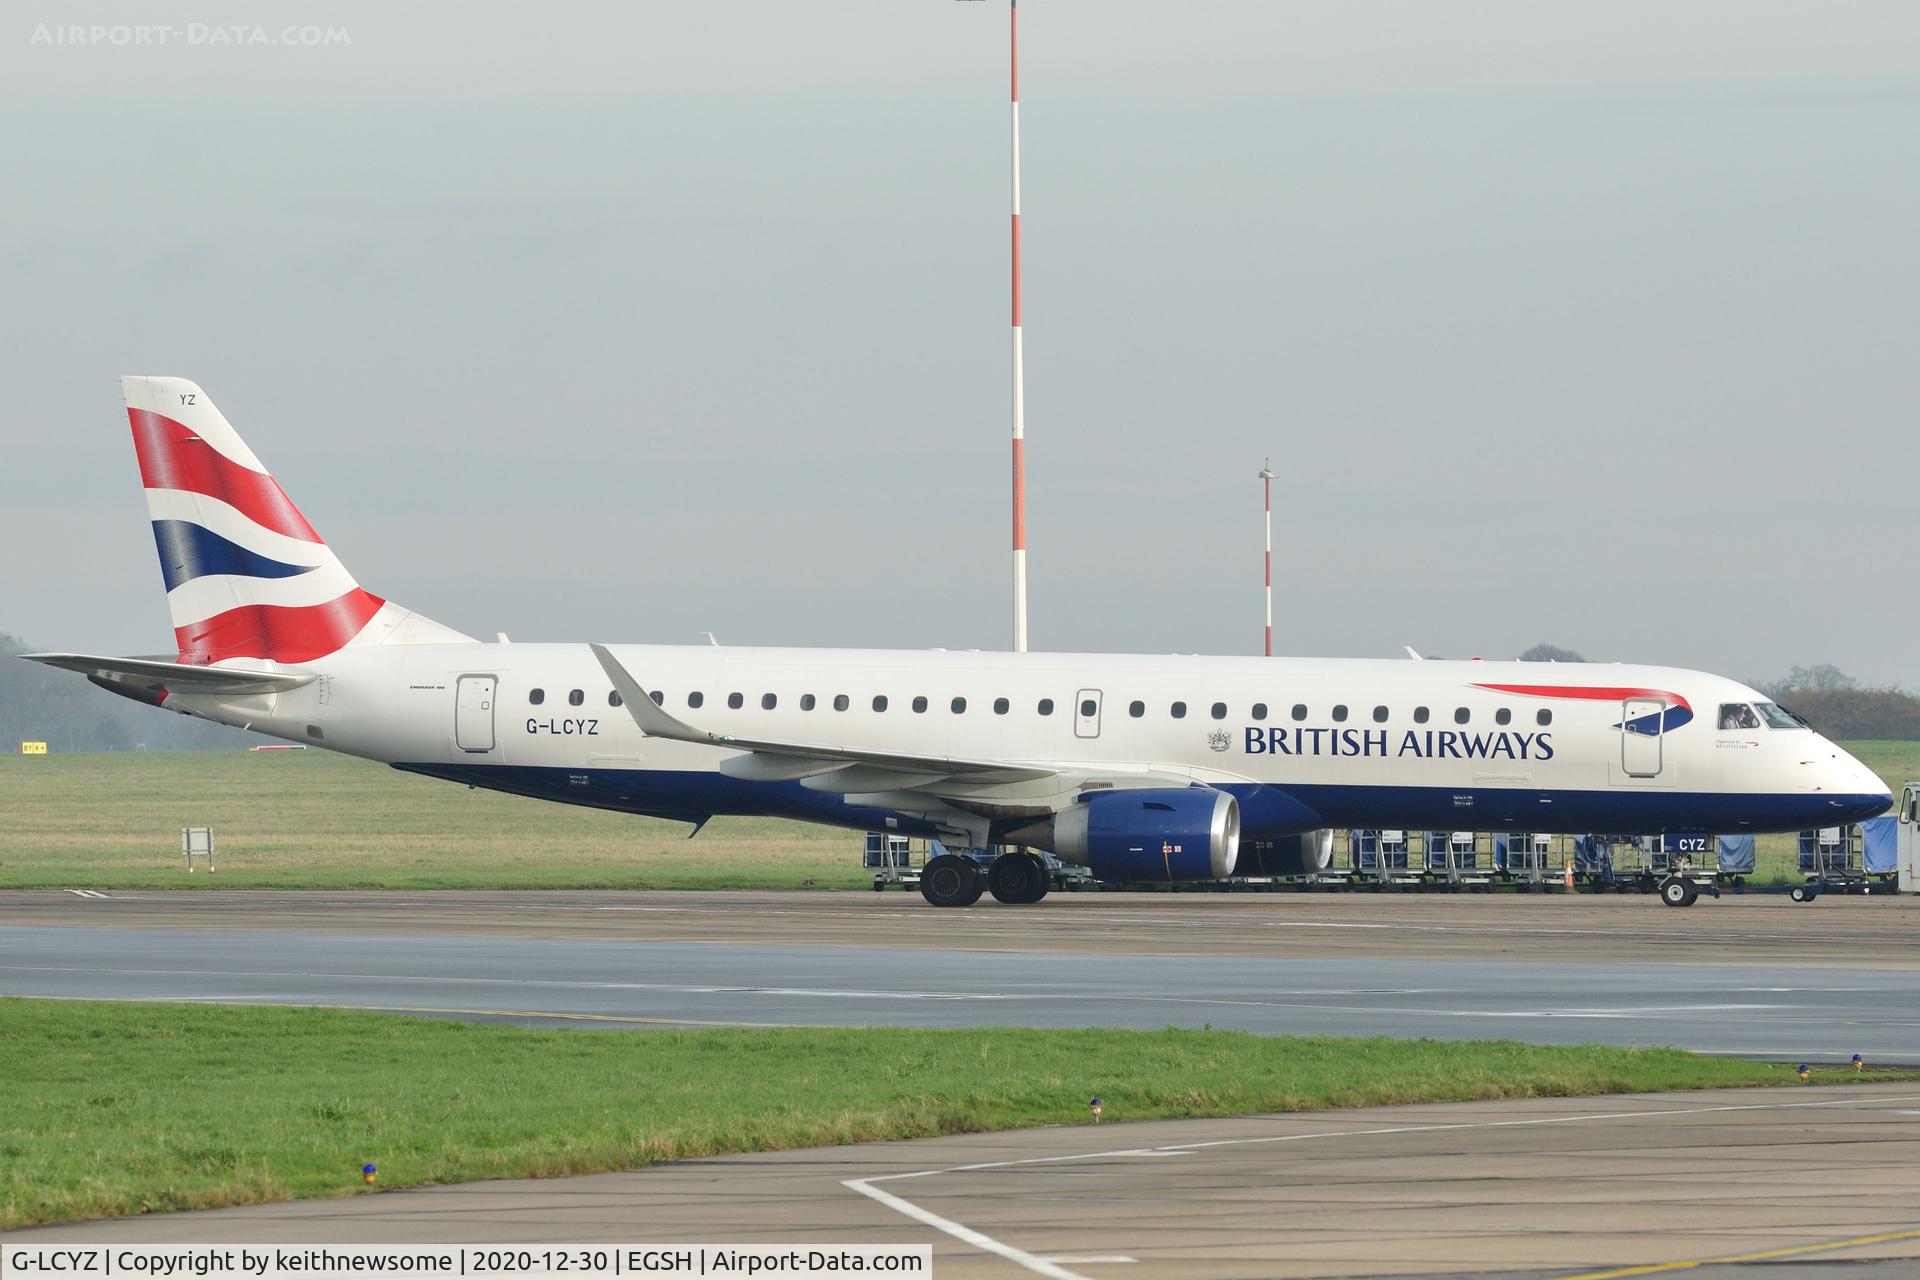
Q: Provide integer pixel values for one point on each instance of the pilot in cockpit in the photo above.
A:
(1737, 715)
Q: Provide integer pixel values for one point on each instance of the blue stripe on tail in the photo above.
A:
(189, 551)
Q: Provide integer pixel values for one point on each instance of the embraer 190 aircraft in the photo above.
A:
(1138, 768)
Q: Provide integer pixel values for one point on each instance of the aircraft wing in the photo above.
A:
(176, 677)
(887, 779)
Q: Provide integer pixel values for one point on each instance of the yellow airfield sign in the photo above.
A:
(33, 748)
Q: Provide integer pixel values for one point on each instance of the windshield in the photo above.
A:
(1778, 717)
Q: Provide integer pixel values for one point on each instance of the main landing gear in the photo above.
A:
(951, 880)
(1017, 878)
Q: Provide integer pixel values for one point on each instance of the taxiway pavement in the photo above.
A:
(1758, 977)
(1818, 1182)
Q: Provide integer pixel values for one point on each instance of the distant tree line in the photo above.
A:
(59, 708)
(1824, 696)
(1841, 707)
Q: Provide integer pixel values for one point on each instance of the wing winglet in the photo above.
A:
(653, 719)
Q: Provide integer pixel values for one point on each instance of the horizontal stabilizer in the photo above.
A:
(175, 677)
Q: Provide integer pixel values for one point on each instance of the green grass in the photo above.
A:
(312, 819)
(113, 1108)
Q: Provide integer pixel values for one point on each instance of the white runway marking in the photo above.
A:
(1048, 1266)
(86, 893)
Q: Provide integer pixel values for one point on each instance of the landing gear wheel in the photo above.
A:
(1803, 893)
(1017, 879)
(1678, 893)
(951, 881)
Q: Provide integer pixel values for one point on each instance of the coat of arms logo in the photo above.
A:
(1219, 739)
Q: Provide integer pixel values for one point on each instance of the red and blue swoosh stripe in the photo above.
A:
(283, 633)
(189, 551)
(1678, 711)
(173, 457)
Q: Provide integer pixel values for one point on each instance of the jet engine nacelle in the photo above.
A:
(1301, 855)
(1190, 834)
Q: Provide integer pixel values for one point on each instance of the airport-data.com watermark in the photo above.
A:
(124, 35)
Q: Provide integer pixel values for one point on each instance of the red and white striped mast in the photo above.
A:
(1266, 482)
(1019, 362)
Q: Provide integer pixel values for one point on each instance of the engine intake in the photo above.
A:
(1190, 834)
(1296, 855)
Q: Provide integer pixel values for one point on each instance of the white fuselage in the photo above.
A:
(1302, 743)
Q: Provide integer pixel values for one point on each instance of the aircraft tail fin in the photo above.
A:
(246, 575)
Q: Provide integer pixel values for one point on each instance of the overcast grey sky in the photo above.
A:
(1561, 321)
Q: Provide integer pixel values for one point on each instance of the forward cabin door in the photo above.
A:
(1086, 713)
(473, 714)
(1642, 721)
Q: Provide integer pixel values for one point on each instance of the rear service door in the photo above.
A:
(1086, 713)
(473, 714)
(1641, 723)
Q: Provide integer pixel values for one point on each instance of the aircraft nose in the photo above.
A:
(1855, 791)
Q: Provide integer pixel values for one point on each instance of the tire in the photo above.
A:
(1678, 893)
(1017, 879)
(951, 881)
(1801, 893)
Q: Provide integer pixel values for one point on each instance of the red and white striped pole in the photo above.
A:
(1019, 363)
(1266, 482)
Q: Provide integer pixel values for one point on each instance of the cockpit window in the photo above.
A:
(1738, 715)
(1778, 717)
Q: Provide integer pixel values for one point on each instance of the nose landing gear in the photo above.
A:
(1681, 891)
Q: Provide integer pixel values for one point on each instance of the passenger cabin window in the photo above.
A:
(1543, 717)
(1000, 706)
(695, 698)
(1179, 711)
(1136, 709)
(736, 701)
(1219, 711)
(959, 705)
(1259, 711)
(768, 701)
(1339, 712)
(1420, 715)
(1503, 716)
(659, 697)
(576, 697)
(1379, 715)
(806, 702)
(1089, 708)
(840, 702)
(1046, 706)
(1778, 717)
(920, 703)
(1461, 715)
(1299, 711)
(879, 702)
(536, 696)
(614, 699)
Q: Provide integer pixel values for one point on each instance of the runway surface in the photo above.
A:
(1803, 1183)
(1753, 976)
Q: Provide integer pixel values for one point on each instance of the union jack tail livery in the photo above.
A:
(247, 577)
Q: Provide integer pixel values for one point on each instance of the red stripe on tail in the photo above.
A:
(172, 457)
(283, 633)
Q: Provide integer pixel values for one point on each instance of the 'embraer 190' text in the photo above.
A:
(1428, 744)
